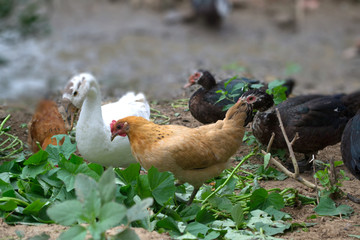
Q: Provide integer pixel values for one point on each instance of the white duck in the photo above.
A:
(93, 127)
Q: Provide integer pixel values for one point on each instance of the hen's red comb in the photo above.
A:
(112, 124)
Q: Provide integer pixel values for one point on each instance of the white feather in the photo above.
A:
(93, 127)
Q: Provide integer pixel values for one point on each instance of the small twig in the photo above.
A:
(270, 142)
(289, 145)
(315, 179)
(296, 137)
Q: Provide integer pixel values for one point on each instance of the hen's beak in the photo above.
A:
(249, 114)
(187, 85)
(113, 135)
(70, 112)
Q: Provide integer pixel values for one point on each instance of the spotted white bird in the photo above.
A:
(93, 127)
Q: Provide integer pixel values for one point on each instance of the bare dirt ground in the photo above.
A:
(325, 228)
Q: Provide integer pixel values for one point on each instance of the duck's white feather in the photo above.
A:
(93, 127)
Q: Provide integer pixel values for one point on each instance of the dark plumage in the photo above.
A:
(350, 145)
(212, 11)
(319, 120)
(203, 103)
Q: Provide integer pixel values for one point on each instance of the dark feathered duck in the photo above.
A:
(350, 145)
(318, 119)
(204, 105)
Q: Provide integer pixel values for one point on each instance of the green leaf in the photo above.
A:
(237, 214)
(261, 220)
(327, 207)
(96, 168)
(8, 206)
(34, 207)
(66, 149)
(127, 234)
(189, 212)
(169, 224)
(196, 228)
(130, 174)
(277, 215)
(267, 159)
(65, 213)
(204, 216)
(87, 192)
(139, 210)
(106, 186)
(221, 203)
(31, 171)
(111, 214)
(161, 184)
(40, 157)
(42, 236)
(75, 233)
(260, 199)
(143, 187)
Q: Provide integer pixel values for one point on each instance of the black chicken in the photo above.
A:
(350, 145)
(319, 120)
(212, 11)
(204, 105)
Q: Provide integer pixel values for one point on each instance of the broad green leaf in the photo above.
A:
(40, 157)
(221, 203)
(189, 212)
(34, 207)
(96, 168)
(31, 171)
(237, 214)
(130, 174)
(196, 228)
(143, 187)
(327, 207)
(6, 189)
(260, 199)
(204, 216)
(169, 224)
(8, 205)
(65, 213)
(261, 220)
(127, 234)
(75, 233)
(107, 187)
(6, 166)
(139, 210)
(277, 215)
(42, 236)
(55, 151)
(161, 184)
(87, 192)
(111, 214)
(212, 235)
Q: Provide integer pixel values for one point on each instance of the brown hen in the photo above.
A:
(46, 123)
(193, 155)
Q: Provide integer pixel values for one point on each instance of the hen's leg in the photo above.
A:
(196, 189)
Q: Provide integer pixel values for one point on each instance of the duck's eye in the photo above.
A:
(75, 93)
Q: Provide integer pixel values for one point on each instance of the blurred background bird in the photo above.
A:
(93, 126)
(350, 145)
(204, 104)
(46, 122)
(193, 155)
(318, 119)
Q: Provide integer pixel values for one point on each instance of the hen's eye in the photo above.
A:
(251, 99)
(75, 93)
(118, 127)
